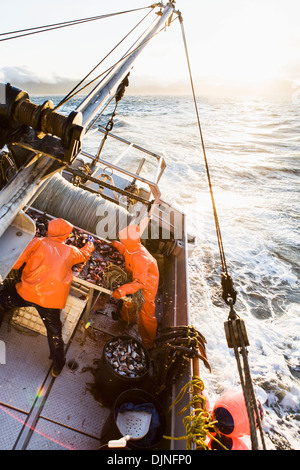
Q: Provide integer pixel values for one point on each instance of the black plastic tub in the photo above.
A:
(109, 384)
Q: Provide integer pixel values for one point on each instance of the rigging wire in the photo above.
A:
(227, 284)
(236, 332)
(218, 229)
(238, 340)
(51, 27)
(115, 64)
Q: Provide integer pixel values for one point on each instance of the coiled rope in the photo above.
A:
(199, 424)
(114, 277)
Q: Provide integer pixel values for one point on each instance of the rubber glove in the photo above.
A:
(116, 294)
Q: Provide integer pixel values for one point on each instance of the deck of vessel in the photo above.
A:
(39, 412)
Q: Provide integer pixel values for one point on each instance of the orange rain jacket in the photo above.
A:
(47, 275)
(145, 276)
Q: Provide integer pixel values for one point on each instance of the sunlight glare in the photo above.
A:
(249, 47)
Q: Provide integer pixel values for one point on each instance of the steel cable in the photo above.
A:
(72, 93)
(245, 375)
(51, 27)
(218, 229)
(110, 68)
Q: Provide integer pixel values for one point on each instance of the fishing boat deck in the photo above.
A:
(39, 412)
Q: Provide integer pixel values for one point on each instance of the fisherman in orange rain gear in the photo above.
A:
(145, 276)
(46, 281)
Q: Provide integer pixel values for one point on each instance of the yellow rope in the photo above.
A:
(199, 424)
(195, 382)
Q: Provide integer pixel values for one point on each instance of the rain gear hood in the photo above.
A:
(47, 274)
(131, 238)
(59, 230)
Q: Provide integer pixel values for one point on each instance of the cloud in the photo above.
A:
(36, 83)
(22, 74)
(32, 82)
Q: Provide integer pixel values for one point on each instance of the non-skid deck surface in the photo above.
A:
(38, 412)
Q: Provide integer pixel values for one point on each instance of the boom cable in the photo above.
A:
(51, 27)
(229, 292)
(71, 93)
(70, 96)
(235, 329)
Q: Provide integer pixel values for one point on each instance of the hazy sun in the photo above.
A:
(250, 47)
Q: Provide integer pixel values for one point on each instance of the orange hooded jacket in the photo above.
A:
(47, 275)
(139, 262)
(145, 276)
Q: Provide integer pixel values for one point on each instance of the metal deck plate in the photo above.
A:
(65, 415)
(70, 403)
(12, 422)
(26, 366)
(51, 436)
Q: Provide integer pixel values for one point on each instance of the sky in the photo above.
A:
(235, 46)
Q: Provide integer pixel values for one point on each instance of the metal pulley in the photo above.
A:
(229, 293)
(235, 330)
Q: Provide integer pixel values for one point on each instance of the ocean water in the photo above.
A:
(253, 151)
